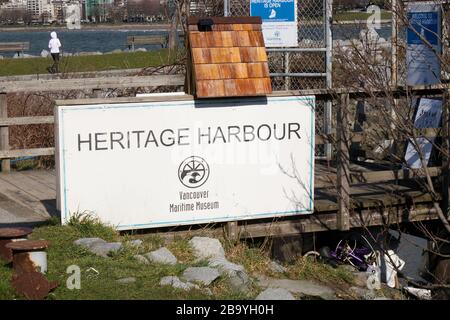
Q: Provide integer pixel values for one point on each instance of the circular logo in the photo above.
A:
(193, 172)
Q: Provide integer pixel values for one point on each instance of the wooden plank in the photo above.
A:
(343, 164)
(4, 133)
(326, 179)
(327, 222)
(27, 153)
(23, 198)
(92, 83)
(26, 120)
(43, 176)
(34, 188)
(232, 231)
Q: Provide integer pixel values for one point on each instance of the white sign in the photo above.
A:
(279, 21)
(428, 115)
(143, 165)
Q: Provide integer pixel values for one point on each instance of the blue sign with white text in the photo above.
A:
(424, 25)
(273, 10)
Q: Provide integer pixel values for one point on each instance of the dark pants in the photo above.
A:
(55, 67)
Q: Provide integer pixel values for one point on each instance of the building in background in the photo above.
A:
(145, 10)
(41, 10)
(14, 5)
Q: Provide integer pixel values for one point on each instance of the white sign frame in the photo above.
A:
(67, 157)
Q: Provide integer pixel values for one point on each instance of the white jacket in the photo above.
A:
(54, 43)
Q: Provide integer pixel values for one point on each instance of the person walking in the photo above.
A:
(54, 45)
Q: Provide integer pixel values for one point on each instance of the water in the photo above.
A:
(74, 41)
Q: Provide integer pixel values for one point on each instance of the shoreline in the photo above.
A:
(101, 27)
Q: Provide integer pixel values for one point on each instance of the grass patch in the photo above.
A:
(308, 268)
(99, 275)
(117, 61)
(255, 260)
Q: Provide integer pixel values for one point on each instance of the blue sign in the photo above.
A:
(423, 44)
(273, 10)
(424, 25)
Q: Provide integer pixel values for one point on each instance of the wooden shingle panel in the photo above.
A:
(211, 88)
(228, 57)
(257, 70)
(253, 54)
(197, 39)
(201, 55)
(224, 55)
(233, 70)
(207, 72)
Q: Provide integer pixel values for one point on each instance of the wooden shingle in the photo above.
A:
(227, 57)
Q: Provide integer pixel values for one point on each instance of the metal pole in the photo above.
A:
(226, 8)
(394, 39)
(329, 52)
(394, 67)
(286, 71)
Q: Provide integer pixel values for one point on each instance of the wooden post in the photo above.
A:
(232, 231)
(446, 151)
(4, 132)
(343, 164)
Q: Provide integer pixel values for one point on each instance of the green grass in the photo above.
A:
(62, 253)
(352, 16)
(11, 67)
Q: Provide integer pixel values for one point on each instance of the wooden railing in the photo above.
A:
(94, 84)
(342, 180)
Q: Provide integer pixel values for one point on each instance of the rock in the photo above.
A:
(275, 294)
(359, 292)
(141, 259)
(360, 278)
(141, 50)
(276, 267)
(162, 255)
(1, 57)
(302, 287)
(137, 243)
(348, 268)
(205, 248)
(177, 283)
(126, 280)
(44, 53)
(116, 51)
(239, 279)
(105, 249)
(203, 275)
(67, 54)
(381, 298)
(88, 242)
(96, 53)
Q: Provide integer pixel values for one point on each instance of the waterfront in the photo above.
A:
(103, 39)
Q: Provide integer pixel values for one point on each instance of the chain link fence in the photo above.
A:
(299, 68)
